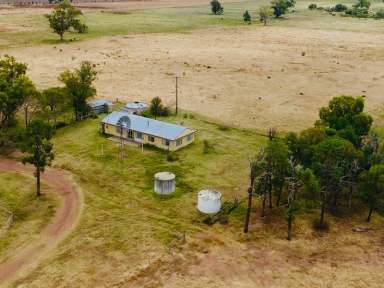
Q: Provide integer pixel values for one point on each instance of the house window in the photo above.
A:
(151, 139)
(130, 134)
(139, 135)
(190, 137)
(165, 142)
(179, 142)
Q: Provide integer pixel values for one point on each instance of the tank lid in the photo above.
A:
(209, 194)
(164, 176)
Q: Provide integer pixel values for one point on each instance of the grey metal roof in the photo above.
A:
(136, 105)
(146, 125)
(99, 102)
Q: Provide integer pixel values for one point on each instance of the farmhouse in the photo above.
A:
(147, 131)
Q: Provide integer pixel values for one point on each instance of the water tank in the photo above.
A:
(165, 183)
(209, 201)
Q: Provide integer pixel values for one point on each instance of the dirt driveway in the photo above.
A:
(62, 223)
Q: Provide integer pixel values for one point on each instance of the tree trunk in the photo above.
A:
(289, 236)
(278, 196)
(369, 214)
(38, 188)
(263, 206)
(26, 116)
(248, 216)
(265, 22)
(321, 223)
(350, 197)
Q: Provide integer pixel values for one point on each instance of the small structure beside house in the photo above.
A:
(144, 130)
(100, 106)
(135, 107)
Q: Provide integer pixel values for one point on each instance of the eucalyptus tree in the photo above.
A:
(372, 189)
(64, 17)
(36, 143)
(79, 87)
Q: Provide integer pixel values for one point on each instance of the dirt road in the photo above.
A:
(64, 220)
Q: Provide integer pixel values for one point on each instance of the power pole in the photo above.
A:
(177, 104)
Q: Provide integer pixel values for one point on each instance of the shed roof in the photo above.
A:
(136, 105)
(148, 126)
(99, 102)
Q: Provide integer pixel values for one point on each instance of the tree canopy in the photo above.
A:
(66, 16)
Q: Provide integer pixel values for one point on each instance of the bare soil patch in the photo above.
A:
(247, 77)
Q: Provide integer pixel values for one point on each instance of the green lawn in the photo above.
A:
(31, 214)
(31, 29)
(121, 193)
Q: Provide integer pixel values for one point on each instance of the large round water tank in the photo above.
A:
(165, 183)
(209, 201)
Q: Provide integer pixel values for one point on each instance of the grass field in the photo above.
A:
(25, 29)
(31, 214)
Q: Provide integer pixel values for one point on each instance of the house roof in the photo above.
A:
(99, 102)
(148, 126)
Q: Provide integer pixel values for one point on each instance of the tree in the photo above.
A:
(36, 143)
(362, 4)
(280, 7)
(265, 13)
(53, 101)
(78, 85)
(344, 117)
(331, 157)
(247, 17)
(65, 16)
(157, 108)
(278, 154)
(216, 7)
(257, 167)
(372, 189)
(15, 87)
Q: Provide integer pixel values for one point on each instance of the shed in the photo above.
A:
(135, 107)
(100, 106)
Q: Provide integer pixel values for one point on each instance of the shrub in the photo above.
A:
(247, 17)
(320, 227)
(280, 7)
(158, 109)
(216, 7)
(380, 14)
(172, 157)
(207, 147)
(312, 6)
(340, 8)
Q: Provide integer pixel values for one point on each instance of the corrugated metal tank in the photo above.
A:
(209, 201)
(165, 183)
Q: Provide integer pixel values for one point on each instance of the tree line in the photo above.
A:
(40, 109)
(335, 165)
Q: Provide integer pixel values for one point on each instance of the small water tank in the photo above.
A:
(165, 183)
(209, 201)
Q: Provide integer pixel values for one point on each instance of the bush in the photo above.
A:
(216, 7)
(380, 14)
(280, 7)
(312, 6)
(247, 17)
(320, 227)
(208, 147)
(340, 8)
(172, 157)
